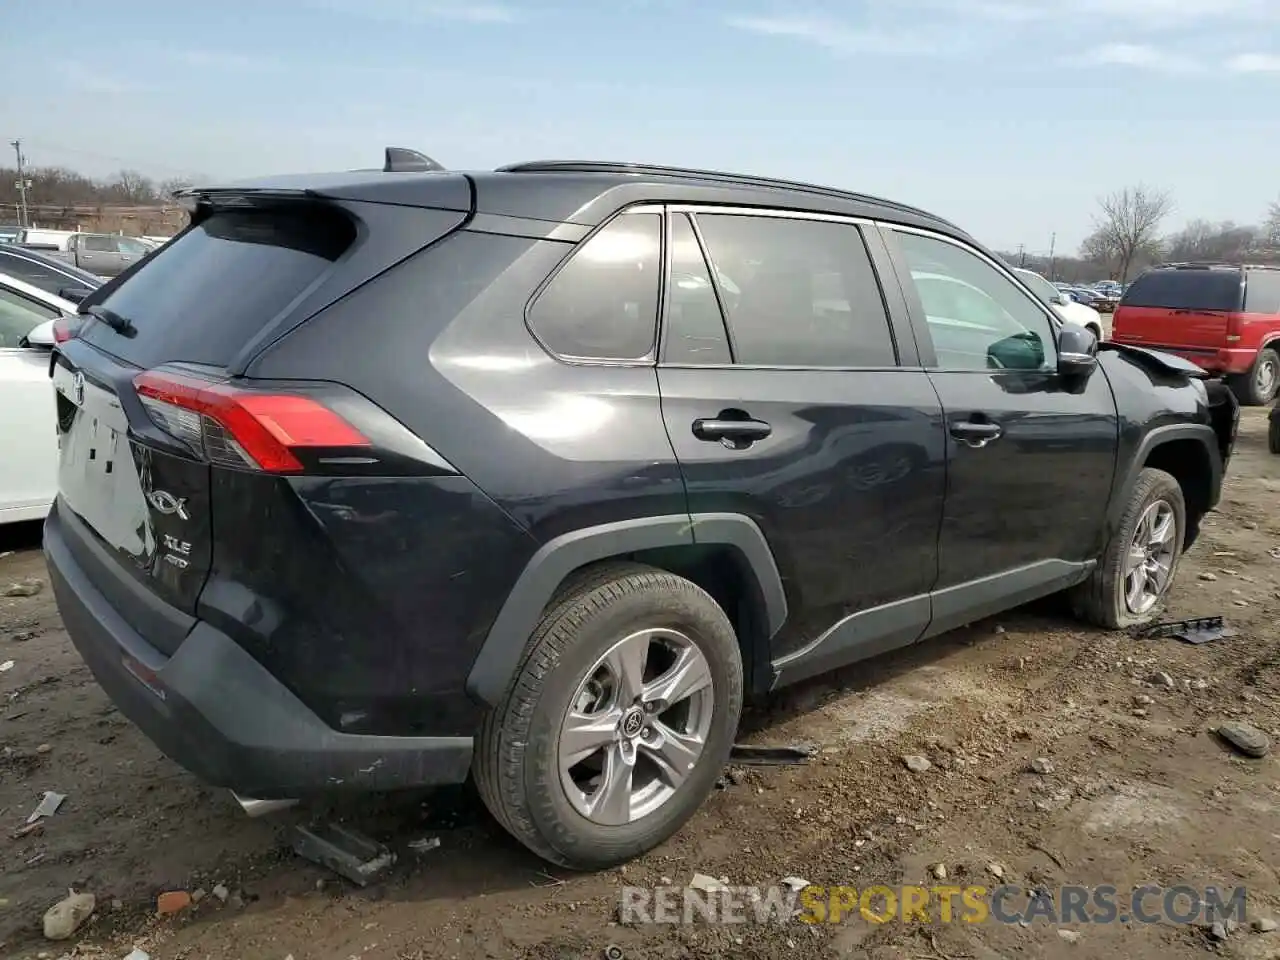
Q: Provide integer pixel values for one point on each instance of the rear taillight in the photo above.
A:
(1233, 327)
(63, 329)
(242, 428)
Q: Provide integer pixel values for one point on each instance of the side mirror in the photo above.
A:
(1062, 299)
(41, 336)
(73, 294)
(1077, 350)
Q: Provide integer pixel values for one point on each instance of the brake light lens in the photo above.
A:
(63, 330)
(1233, 327)
(242, 428)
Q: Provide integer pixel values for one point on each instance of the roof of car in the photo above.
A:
(585, 192)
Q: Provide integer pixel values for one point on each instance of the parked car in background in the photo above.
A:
(8, 233)
(1066, 308)
(642, 502)
(104, 254)
(1223, 317)
(51, 274)
(28, 423)
(44, 239)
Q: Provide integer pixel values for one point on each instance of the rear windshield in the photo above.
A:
(1186, 290)
(203, 296)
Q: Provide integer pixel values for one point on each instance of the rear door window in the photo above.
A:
(208, 293)
(1262, 292)
(1186, 290)
(695, 326)
(797, 292)
(98, 244)
(603, 303)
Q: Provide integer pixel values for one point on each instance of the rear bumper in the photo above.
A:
(217, 712)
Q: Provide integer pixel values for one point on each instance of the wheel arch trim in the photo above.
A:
(1158, 437)
(500, 654)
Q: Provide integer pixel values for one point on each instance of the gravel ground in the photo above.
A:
(1136, 790)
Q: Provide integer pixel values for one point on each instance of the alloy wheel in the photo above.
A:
(1149, 563)
(636, 726)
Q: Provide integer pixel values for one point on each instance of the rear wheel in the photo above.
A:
(619, 721)
(1137, 569)
(1259, 386)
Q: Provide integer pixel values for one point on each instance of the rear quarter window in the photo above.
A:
(1186, 290)
(203, 296)
(1262, 292)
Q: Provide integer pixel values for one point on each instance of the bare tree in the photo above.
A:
(168, 188)
(1128, 226)
(133, 187)
(1271, 228)
(1202, 240)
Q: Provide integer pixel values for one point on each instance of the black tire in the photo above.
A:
(1247, 388)
(515, 764)
(1096, 331)
(1100, 600)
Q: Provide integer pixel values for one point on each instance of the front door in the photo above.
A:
(1030, 455)
(784, 400)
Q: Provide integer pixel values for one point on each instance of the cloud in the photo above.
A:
(89, 81)
(222, 60)
(418, 12)
(836, 36)
(1139, 56)
(1254, 63)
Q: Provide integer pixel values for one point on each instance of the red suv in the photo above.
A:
(1223, 317)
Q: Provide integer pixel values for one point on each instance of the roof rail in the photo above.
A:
(1215, 264)
(404, 160)
(719, 176)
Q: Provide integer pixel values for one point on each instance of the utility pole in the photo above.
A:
(1053, 241)
(1022, 254)
(22, 184)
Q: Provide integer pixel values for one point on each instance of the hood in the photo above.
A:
(1164, 362)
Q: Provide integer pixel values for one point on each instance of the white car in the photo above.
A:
(1067, 309)
(28, 425)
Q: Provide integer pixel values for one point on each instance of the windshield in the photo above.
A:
(19, 315)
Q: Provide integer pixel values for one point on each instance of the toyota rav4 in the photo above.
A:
(382, 479)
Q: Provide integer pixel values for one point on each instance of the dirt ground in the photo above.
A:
(1139, 791)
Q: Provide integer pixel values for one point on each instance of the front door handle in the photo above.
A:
(976, 433)
(734, 434)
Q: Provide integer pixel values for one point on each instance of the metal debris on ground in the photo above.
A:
(346, 852)
(425, 844)
(1196, 630)
(768, 756)
(47, 806)
(612, 952)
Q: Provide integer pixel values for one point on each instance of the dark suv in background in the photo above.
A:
(376, 479)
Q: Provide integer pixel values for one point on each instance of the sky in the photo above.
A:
(1009, 117)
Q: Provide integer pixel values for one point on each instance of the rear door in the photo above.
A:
(788, 398)
(1183, 310)
(1030, 457)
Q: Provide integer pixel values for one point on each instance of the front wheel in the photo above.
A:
(1137, 569)
(619, 722)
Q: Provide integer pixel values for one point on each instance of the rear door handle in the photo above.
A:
(732, 433)
(976, 433)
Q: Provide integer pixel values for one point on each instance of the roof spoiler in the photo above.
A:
(404, 160)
